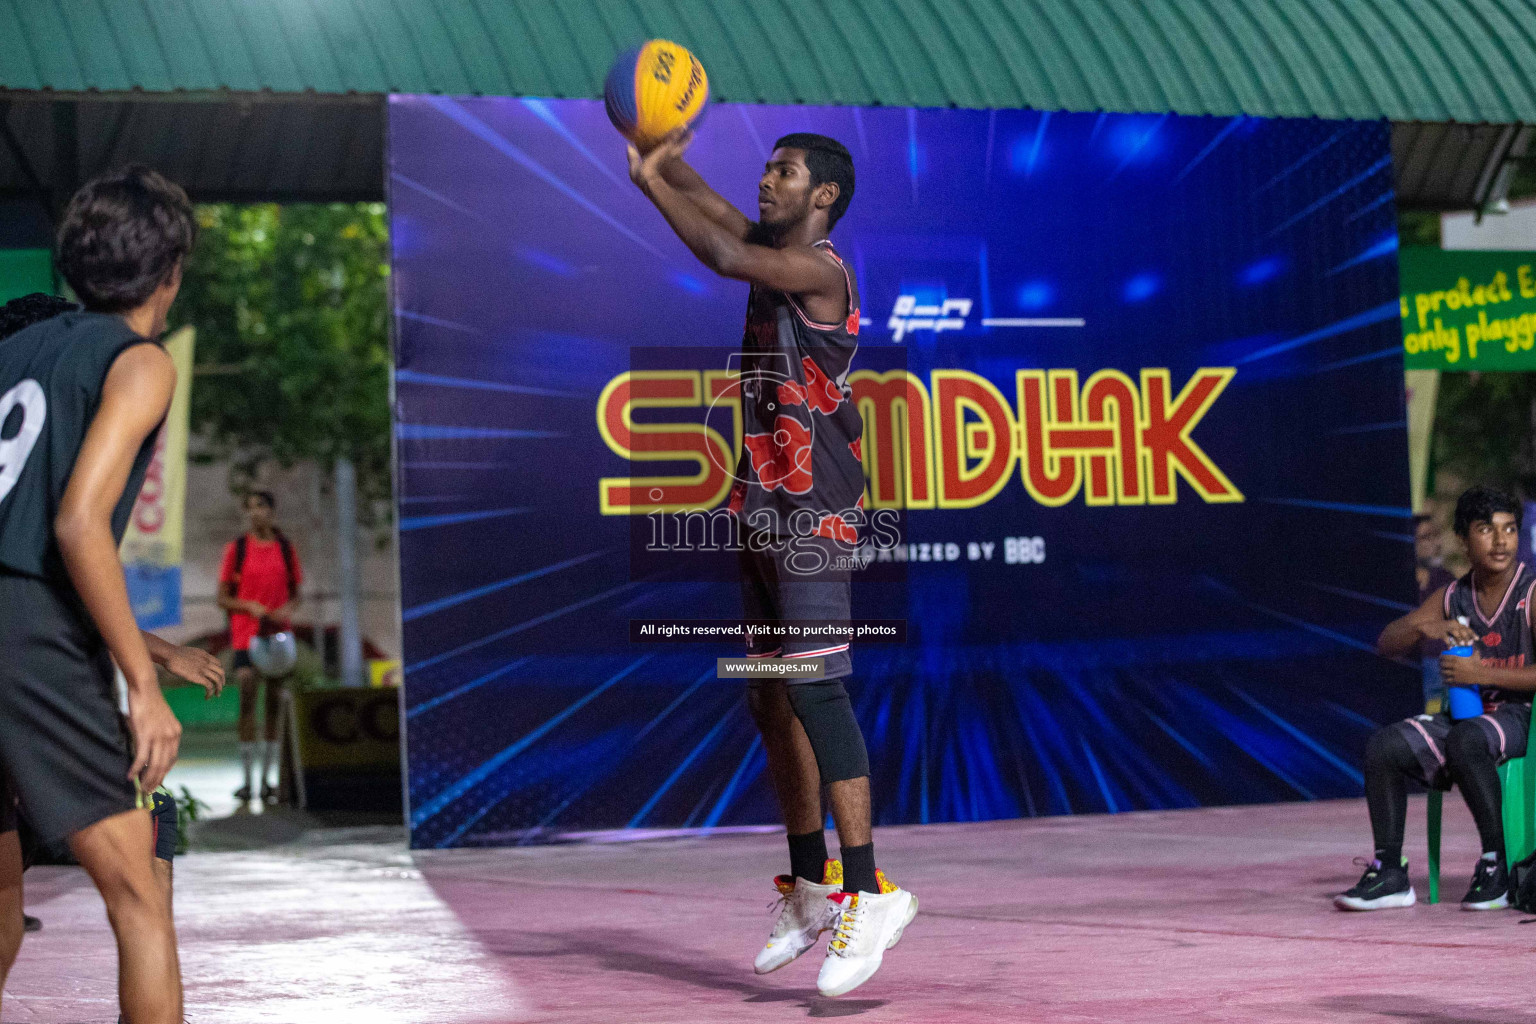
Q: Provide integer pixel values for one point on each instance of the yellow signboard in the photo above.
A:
(152, 545)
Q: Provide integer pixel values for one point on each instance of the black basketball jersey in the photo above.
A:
(1504, 638)
(51, 377)
(802, 435)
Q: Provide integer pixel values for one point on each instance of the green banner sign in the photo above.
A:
(23, 271)
(1468, 309)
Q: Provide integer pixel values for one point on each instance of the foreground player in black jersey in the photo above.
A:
(1489, 608)
(82, 396)
(799, 489)
(188, 663)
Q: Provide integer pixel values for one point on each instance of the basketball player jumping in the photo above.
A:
(800, 486)
(81, 398)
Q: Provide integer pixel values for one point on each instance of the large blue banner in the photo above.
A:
(1133, 383)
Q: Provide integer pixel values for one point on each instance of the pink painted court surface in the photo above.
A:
(1218, 915)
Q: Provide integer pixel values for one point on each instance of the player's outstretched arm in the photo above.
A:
(189, 663)
(798, 270)
(1402, 636)
(134, 400)
(683, 178)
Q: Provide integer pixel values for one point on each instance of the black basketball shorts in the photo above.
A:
(805, 581)
(1505, 729)
(64, 747)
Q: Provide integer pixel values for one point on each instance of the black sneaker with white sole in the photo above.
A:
(1490, 886)
(1382, 887)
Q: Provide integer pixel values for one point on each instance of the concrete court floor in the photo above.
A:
(1217, 915)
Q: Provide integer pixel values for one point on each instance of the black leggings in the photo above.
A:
(1390, 763)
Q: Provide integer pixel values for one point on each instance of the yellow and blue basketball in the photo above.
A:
(654, 88)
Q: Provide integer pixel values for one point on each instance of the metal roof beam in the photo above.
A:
(1501, 170)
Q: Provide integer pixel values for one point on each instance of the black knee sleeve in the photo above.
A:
(827, 716)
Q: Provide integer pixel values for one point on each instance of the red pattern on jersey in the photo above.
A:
(786, 465)
(857, 447)
(1493, 639)
(821, 392)
(835, 527)
(791, 393)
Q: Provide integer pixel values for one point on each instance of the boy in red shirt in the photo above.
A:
(259, 588)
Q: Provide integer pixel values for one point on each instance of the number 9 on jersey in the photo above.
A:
(29, 398)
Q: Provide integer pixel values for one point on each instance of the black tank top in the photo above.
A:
(802, 435)
(1504, 637)
(51, 377)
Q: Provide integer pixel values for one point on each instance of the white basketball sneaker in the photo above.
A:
(805, 911)
(868, 924)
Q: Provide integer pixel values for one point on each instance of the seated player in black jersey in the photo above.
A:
(1489, 608)
(801, 462)
(82, 396)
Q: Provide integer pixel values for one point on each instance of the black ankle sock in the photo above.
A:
(859, 869)
(807, 855)
(1390, 856)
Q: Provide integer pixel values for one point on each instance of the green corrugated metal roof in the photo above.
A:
(1407, 60)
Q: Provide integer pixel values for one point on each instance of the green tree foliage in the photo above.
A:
(1418, 227)
(1485, 431)
(291, 309)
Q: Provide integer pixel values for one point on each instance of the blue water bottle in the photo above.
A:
(1463, 701)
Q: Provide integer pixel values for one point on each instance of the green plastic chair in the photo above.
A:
(1517, 777)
